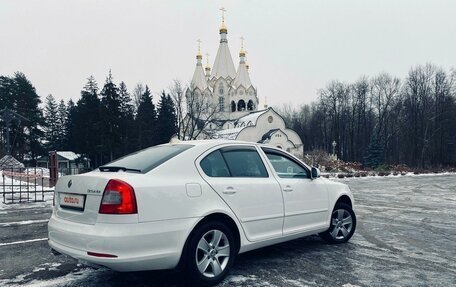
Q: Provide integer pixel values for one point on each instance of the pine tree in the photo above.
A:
(127, 120)
(26, 103)
(51, 135)
(86, 123)
(166, 120)
(111, 119)
(6, 92)
(69, 143)
(374, 152)
(146, 121)
(62, 116)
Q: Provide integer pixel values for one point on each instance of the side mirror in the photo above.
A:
(315, 172)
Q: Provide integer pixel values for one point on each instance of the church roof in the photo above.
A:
(199, 79)
(242, 76)
(229, 134)
(252, 117)
(223, 65)
(268, 135)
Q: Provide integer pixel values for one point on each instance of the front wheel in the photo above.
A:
(210, 253)
(342, 226)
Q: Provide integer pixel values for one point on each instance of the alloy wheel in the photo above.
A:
(212, 253)
(341, 224)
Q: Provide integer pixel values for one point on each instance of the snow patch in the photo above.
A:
(26, 222)
(240, 278)
(23, 241)
(296, 283)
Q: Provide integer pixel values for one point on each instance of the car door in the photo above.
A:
(305, 199)
(238, 174)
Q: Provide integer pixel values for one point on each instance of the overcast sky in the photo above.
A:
(294, 47)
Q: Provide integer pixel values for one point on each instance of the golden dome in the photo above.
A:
(223, 28)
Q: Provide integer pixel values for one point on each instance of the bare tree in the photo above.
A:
(384, 94)
(138, 91)
(197, 113)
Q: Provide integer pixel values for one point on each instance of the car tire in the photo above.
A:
(210, 253)
(342, 224)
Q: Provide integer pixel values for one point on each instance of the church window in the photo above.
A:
(233, 106)
(221, 104)
(221, 91)
(270, 119)
(241, 105)
(250, 105)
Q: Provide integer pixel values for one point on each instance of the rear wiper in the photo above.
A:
(117, 168)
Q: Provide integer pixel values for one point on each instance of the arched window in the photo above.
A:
(250, 105)
(233, 106)
(241, 105)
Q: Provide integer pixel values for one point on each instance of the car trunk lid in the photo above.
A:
(78, 197)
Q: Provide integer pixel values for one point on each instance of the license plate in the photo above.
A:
(72, 201)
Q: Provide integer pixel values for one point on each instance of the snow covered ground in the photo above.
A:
(405, 237)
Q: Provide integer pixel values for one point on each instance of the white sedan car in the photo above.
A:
(196, 205)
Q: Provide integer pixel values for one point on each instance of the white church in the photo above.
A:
(234, 99)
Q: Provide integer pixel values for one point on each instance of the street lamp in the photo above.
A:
(334, 147)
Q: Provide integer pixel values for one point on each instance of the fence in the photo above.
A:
(31, 184)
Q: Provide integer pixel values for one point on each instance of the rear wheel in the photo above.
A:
(342, 225)
(210, 253)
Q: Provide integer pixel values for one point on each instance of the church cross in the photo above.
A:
(223, 13)
(199, 45)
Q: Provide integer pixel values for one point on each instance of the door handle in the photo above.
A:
(229, 190)
(287, 188)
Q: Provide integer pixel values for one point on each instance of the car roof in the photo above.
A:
(211, 142)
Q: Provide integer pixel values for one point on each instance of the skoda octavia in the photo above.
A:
(196, 205)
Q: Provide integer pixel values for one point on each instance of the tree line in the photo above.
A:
(102, 125)
(374, 120)
(383, 119)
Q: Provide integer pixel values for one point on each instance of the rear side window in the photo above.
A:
(147, 159)
(244, 163)
(214, 165)
(234, 162)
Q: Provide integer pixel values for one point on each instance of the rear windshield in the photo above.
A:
(147, 159)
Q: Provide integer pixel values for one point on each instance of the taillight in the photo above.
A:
(118, 198)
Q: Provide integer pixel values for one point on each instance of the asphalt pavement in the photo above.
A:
(405, 237)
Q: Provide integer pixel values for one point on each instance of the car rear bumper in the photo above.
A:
(138, 246)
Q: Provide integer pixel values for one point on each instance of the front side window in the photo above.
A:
(286, 167)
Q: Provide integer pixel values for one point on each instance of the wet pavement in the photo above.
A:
(405, 237)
